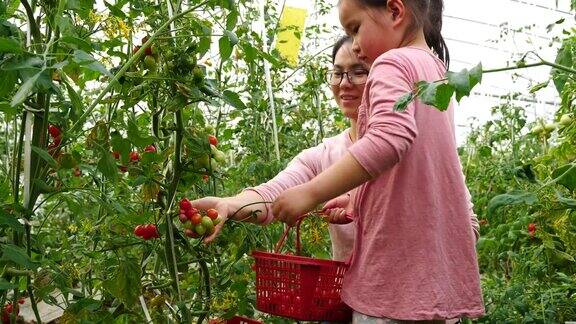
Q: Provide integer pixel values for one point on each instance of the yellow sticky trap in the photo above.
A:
(291, 30)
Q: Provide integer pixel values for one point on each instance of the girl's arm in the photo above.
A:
(341, 177)
(389, 135)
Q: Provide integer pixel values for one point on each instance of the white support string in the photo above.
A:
(269, 80)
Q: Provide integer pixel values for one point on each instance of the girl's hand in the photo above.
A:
(223, 208)
(294, 203)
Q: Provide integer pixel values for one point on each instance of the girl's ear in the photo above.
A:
(398, 10)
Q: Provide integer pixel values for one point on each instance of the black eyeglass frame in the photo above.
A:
(330, 73)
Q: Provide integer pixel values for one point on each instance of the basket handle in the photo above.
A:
(282, 240)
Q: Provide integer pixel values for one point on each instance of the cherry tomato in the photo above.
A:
(213, 140)
(116, 155)
(185, 204)
(54, 131)
(134, 156)
(212, 213)
(196, 219)
(150, 149)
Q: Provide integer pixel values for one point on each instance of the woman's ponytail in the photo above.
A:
(433, 30)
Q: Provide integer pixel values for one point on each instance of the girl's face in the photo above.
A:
(349, 95)
(375, 30)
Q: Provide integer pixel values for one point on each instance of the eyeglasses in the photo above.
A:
(356, 76)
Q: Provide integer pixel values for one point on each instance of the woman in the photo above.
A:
(347, 81)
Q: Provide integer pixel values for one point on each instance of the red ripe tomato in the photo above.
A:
(54, 131)
(21, 301)
(123, 168)
(150, 149)
(531, 227)
(205, 178)
(77, 172)
(149, 231)
(212, 213)
(185, 204)
(183, 218)
(196, 219)
(134, 156)
(152, 231)
(213, 140)
(116, 155)
(149, 51)
(139, 230)
(56, 141)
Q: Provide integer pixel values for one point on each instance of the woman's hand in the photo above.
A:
(223, 208)
(294, 203)
(338, 210)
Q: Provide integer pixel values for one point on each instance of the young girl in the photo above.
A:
(414, 257)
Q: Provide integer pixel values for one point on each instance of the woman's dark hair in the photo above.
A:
(341, 41)
(428, 15)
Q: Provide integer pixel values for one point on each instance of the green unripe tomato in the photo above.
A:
(200, 229)
(550, 127)
(537, 130)
(150, 63)
(565, 120)
(214, 165)
(208, 224)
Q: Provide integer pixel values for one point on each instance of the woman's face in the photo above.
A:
(348, 95)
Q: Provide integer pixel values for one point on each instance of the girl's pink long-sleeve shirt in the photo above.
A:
(305, 166)
(414, 256)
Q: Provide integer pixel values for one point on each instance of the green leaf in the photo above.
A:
(18, 255)
(225, 47)
(435, 94)
(24, 90)
(511, 198)
(402, 103)
(87, 60)
(136, 137)
(564, 57)
(107, 165)
(88, 304)
(7, 82)
(232, 37)
(9, 45)
(75, 99)
(464, 81)
(233, 99)
(539, 86)
(77, 43)
(232, 20)
(42, 187)
(567, 202)
(45, 156)
(568, 179)
(115, 10)
(125, 283)
(476, 75)
(5, 285)
(8, 220)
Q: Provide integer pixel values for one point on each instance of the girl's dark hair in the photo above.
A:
(428, 15)
(341, 41)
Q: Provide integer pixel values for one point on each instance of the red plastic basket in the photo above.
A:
(242, 320)
(298, 287)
